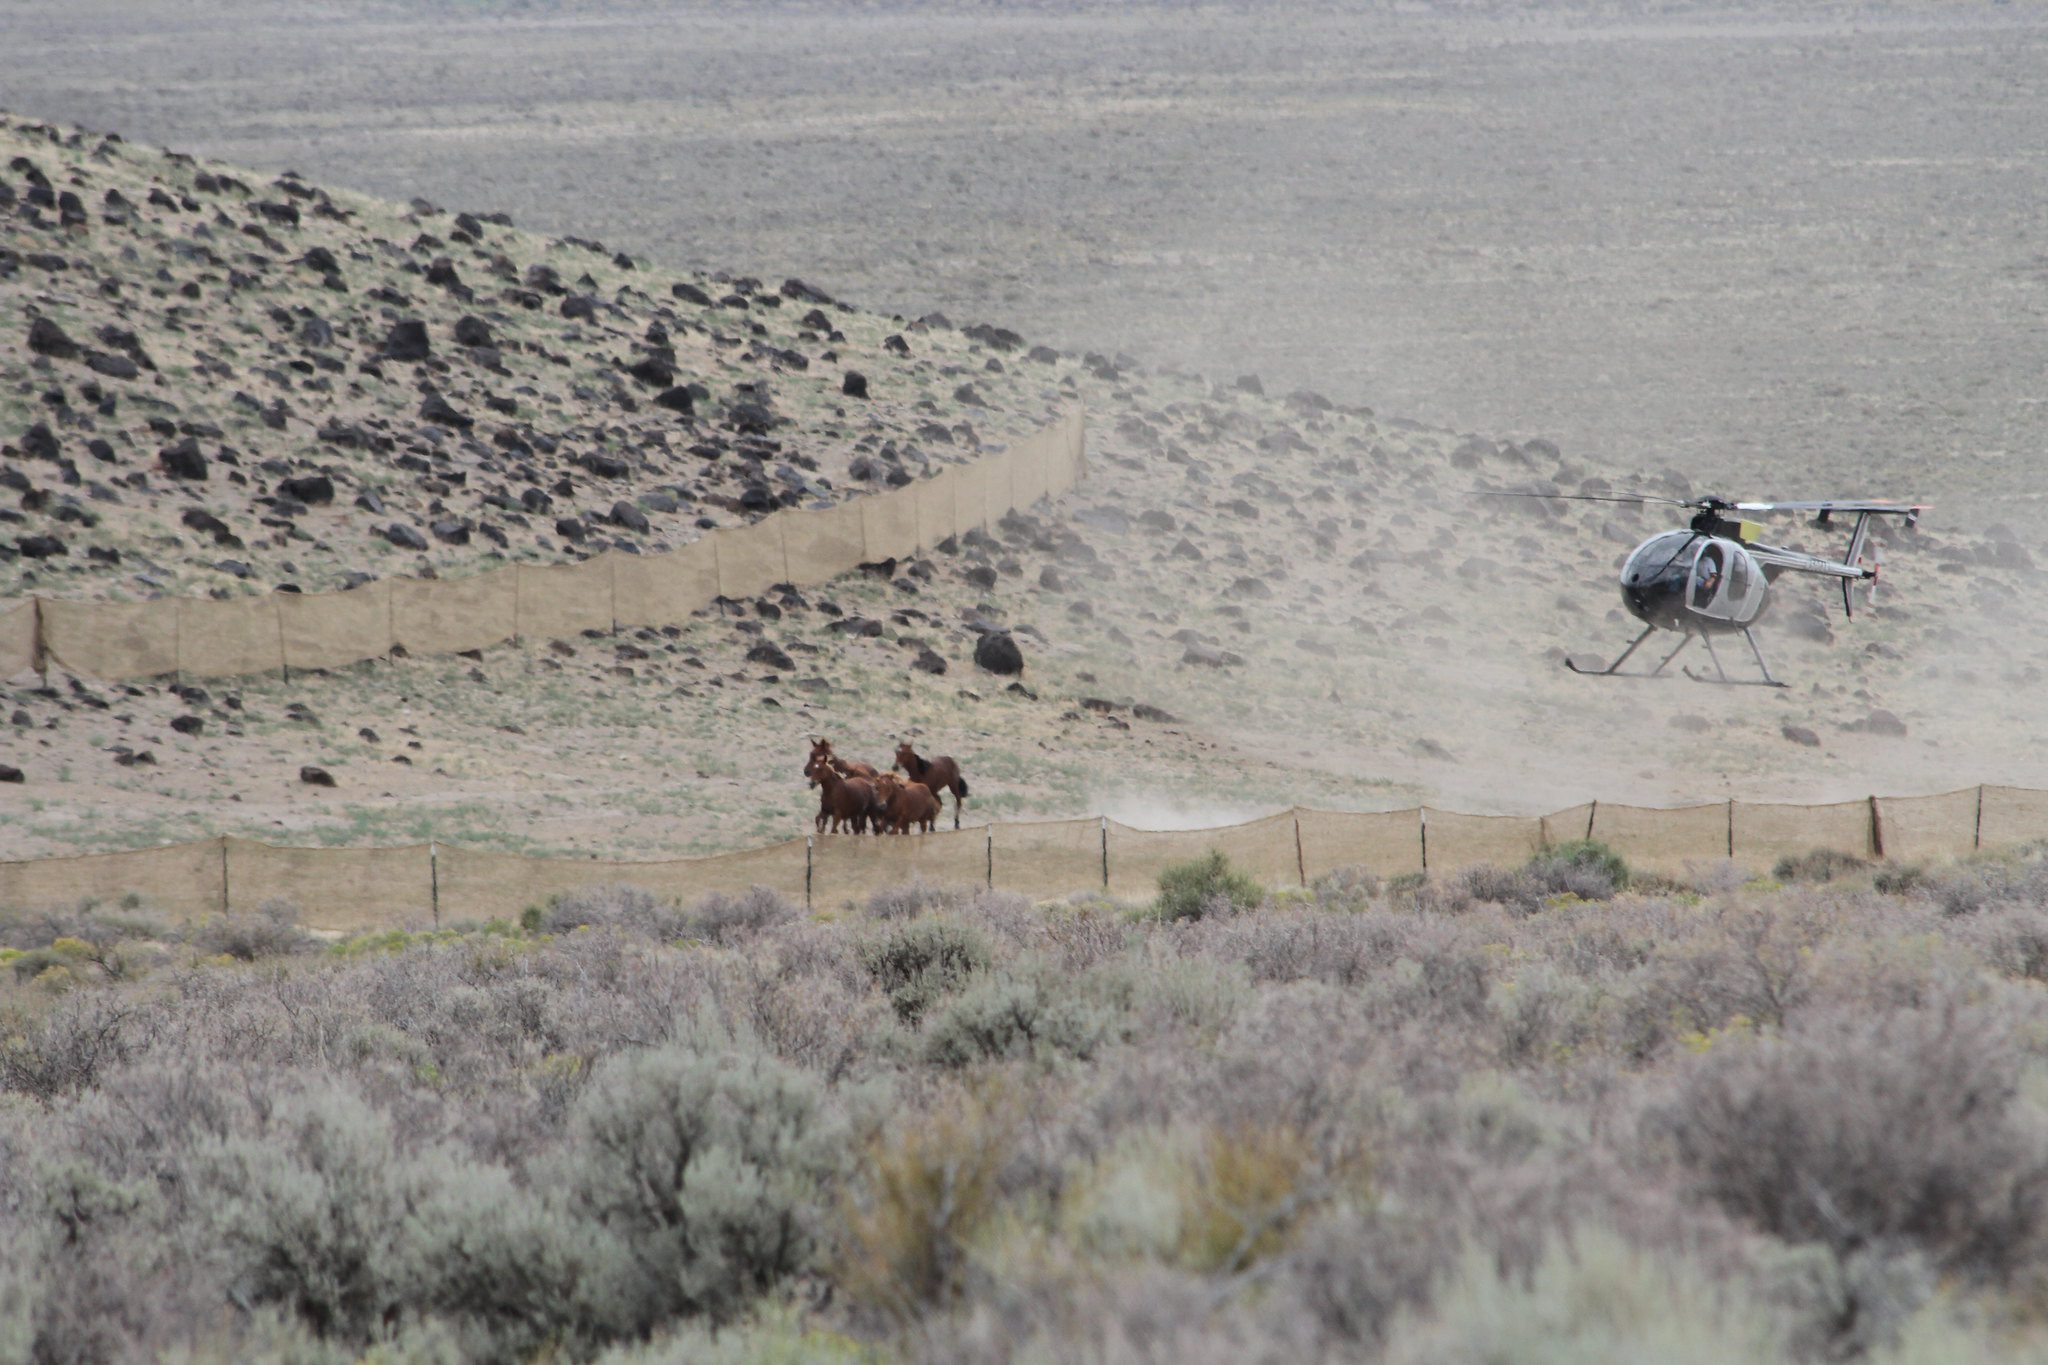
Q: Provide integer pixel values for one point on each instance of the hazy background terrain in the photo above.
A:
(1797, 246)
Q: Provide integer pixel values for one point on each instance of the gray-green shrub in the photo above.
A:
(704, 1169)
(1207, 885)
(1027, 1015)
(919, 963)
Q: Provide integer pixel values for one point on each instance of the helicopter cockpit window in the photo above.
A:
(1659, 560)
(1738, 578)
(1706, 576)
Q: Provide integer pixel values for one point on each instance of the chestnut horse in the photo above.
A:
(938, 775)
(905, 804)
(821, 750)
(843, 800)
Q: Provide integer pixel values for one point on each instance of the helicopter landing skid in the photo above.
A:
(1613, 670)
(1723, 680)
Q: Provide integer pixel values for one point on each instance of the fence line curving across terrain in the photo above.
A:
(281, 631)
(358, 889)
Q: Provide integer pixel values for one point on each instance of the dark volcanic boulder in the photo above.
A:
(408, 340)
(472, 331)
(47, 338)
(404, 537)
(677, 399)
(314, 490)
(183, 460)
(629, 516)
(442, 413)
(998, 653)
(771, 655)
(39, 442)
(855, 385)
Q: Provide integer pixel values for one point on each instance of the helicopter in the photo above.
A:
(1714, 577)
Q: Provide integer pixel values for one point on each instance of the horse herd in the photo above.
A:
(855, 796)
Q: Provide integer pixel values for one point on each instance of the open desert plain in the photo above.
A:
(489, 445)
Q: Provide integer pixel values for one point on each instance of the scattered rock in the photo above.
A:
(997, 652)
(629, 516)
(770, 654)
(1879, 722)
(408, 341)
(1799, 734)
(188, 725)
(183, 460)
(314, 490)
(10, 773)
(930, 661)
(404, 537)
(1208, 656)
(316, 777)
(47, 338)
(854, 385)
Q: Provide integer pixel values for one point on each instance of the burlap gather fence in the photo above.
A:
(201, 637)
(359, 889)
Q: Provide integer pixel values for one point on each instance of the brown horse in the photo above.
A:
(821, 751)
(938, 775)
(905, 804)
(843, 800)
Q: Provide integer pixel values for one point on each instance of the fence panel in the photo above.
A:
(936, 518)
(1002, 492)
(18, 639)
(180, 881)
(750, 559)
(1664, 841)
(561, 601)
(1917, 828)
(1764, 833)
(1048, 859)
(1387, 841)
(350, 890)
(889, 525)
(112, 639)
(2013, 815)
(222, 639)
(1264, 848)
(477, 884)
(664, 589)
(449, 615)
(1565, 826)
(970, 497)
(335, 629)
(848, 868)
(1455, 841)
(1031, 467)
(825, 543)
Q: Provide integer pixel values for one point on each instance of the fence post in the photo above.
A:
(1731, 827)
(225, 902)
(1105, 853)
(1977, 839)
(1592, 814)
(434, 879)
(989, 833)
(39, 643)
(284, 664)
(1300, 862)
(1876, 828)
(809, 839)
(1422, 820)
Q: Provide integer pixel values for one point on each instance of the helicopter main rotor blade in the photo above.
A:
(1635, 499)
(1879, 505)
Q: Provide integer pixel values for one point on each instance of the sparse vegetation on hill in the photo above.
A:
(1756, 1124)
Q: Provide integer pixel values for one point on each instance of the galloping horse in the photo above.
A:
(938, 775)
(843, 800)
(905, 804)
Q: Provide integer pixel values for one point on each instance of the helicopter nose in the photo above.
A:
(1656, 601)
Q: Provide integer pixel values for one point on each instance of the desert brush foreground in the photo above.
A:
(1533, 1114)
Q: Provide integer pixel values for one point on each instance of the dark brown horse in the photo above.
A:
(938, 775)
(905, 804)
(845, 801)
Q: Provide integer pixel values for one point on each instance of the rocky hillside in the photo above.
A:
(231, 382)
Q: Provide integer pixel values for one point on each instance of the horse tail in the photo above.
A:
(960, 787)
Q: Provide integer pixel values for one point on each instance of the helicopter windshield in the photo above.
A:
(1664, 560)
